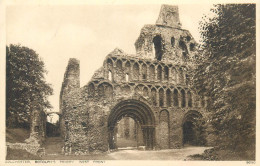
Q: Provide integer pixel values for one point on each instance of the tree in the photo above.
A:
(26, 88)
(226, 74)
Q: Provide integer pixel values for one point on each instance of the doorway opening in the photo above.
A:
(193, 129)
(129, 134)
(142, 132)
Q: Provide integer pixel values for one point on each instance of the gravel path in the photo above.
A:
(169, 154)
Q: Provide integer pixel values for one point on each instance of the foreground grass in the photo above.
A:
(19, 154)
(17, 135)
(217, 154)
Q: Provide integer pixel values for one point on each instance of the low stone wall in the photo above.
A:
(31, 148)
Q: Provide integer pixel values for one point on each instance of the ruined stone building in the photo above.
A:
(152, 88)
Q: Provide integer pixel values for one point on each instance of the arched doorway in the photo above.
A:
(129, 134)
(193, 129)
(138, 111)
(53, 124)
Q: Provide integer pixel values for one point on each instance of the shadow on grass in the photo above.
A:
(19, 154)
(217, 154)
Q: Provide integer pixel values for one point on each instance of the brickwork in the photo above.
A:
(152, 87)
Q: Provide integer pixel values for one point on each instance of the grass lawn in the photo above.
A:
(17, 135)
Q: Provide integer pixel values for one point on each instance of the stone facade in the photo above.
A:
(152, 87)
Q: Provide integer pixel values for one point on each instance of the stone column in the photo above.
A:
(157, 98)
(163, 73)
(131, 72)
(206, 102)
(148, 72)
(172, 99)
(164, 98)
(170, 73)
(140, 72)
(184, 78)
(177, 78)
(186, 100)
(180, 98)
(155, 73)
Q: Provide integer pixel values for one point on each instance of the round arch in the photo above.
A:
(192, 115)
(141, 113)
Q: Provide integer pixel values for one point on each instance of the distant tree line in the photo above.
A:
(26, 88)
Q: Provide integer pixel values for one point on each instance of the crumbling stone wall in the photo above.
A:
(37, 134)
(38, 127)
(152, 87)
(70, 84)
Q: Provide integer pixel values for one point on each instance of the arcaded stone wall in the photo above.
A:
(158, 76)
(87, 109)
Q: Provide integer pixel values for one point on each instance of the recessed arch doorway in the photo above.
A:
(193, 129)
(141, 113)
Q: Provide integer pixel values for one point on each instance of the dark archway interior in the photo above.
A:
(184, 48)
(157, 41)
(52, 125)
(138, 111)
(189, 133)
(193, 130)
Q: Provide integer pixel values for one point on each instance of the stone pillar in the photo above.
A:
(180, 99)
(186, 100)
(148, 72)
(131, 72)
(140, 77)
(157, 98)
(184, 78)
(155, 73)
(177, 77)
(164, 98)
(172, 99)
(170, 73)
(163, 73)
(111, 135)
(206, 102)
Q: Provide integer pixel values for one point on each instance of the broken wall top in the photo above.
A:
(169, 16)
(166, 41)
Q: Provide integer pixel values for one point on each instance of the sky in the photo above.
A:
(86, 32)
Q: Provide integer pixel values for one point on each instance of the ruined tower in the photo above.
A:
(151, 87)
(166, 41)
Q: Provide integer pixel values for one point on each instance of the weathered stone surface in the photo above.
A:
(33, 148)
(151, 87)
(38, 127)
(169, 16)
